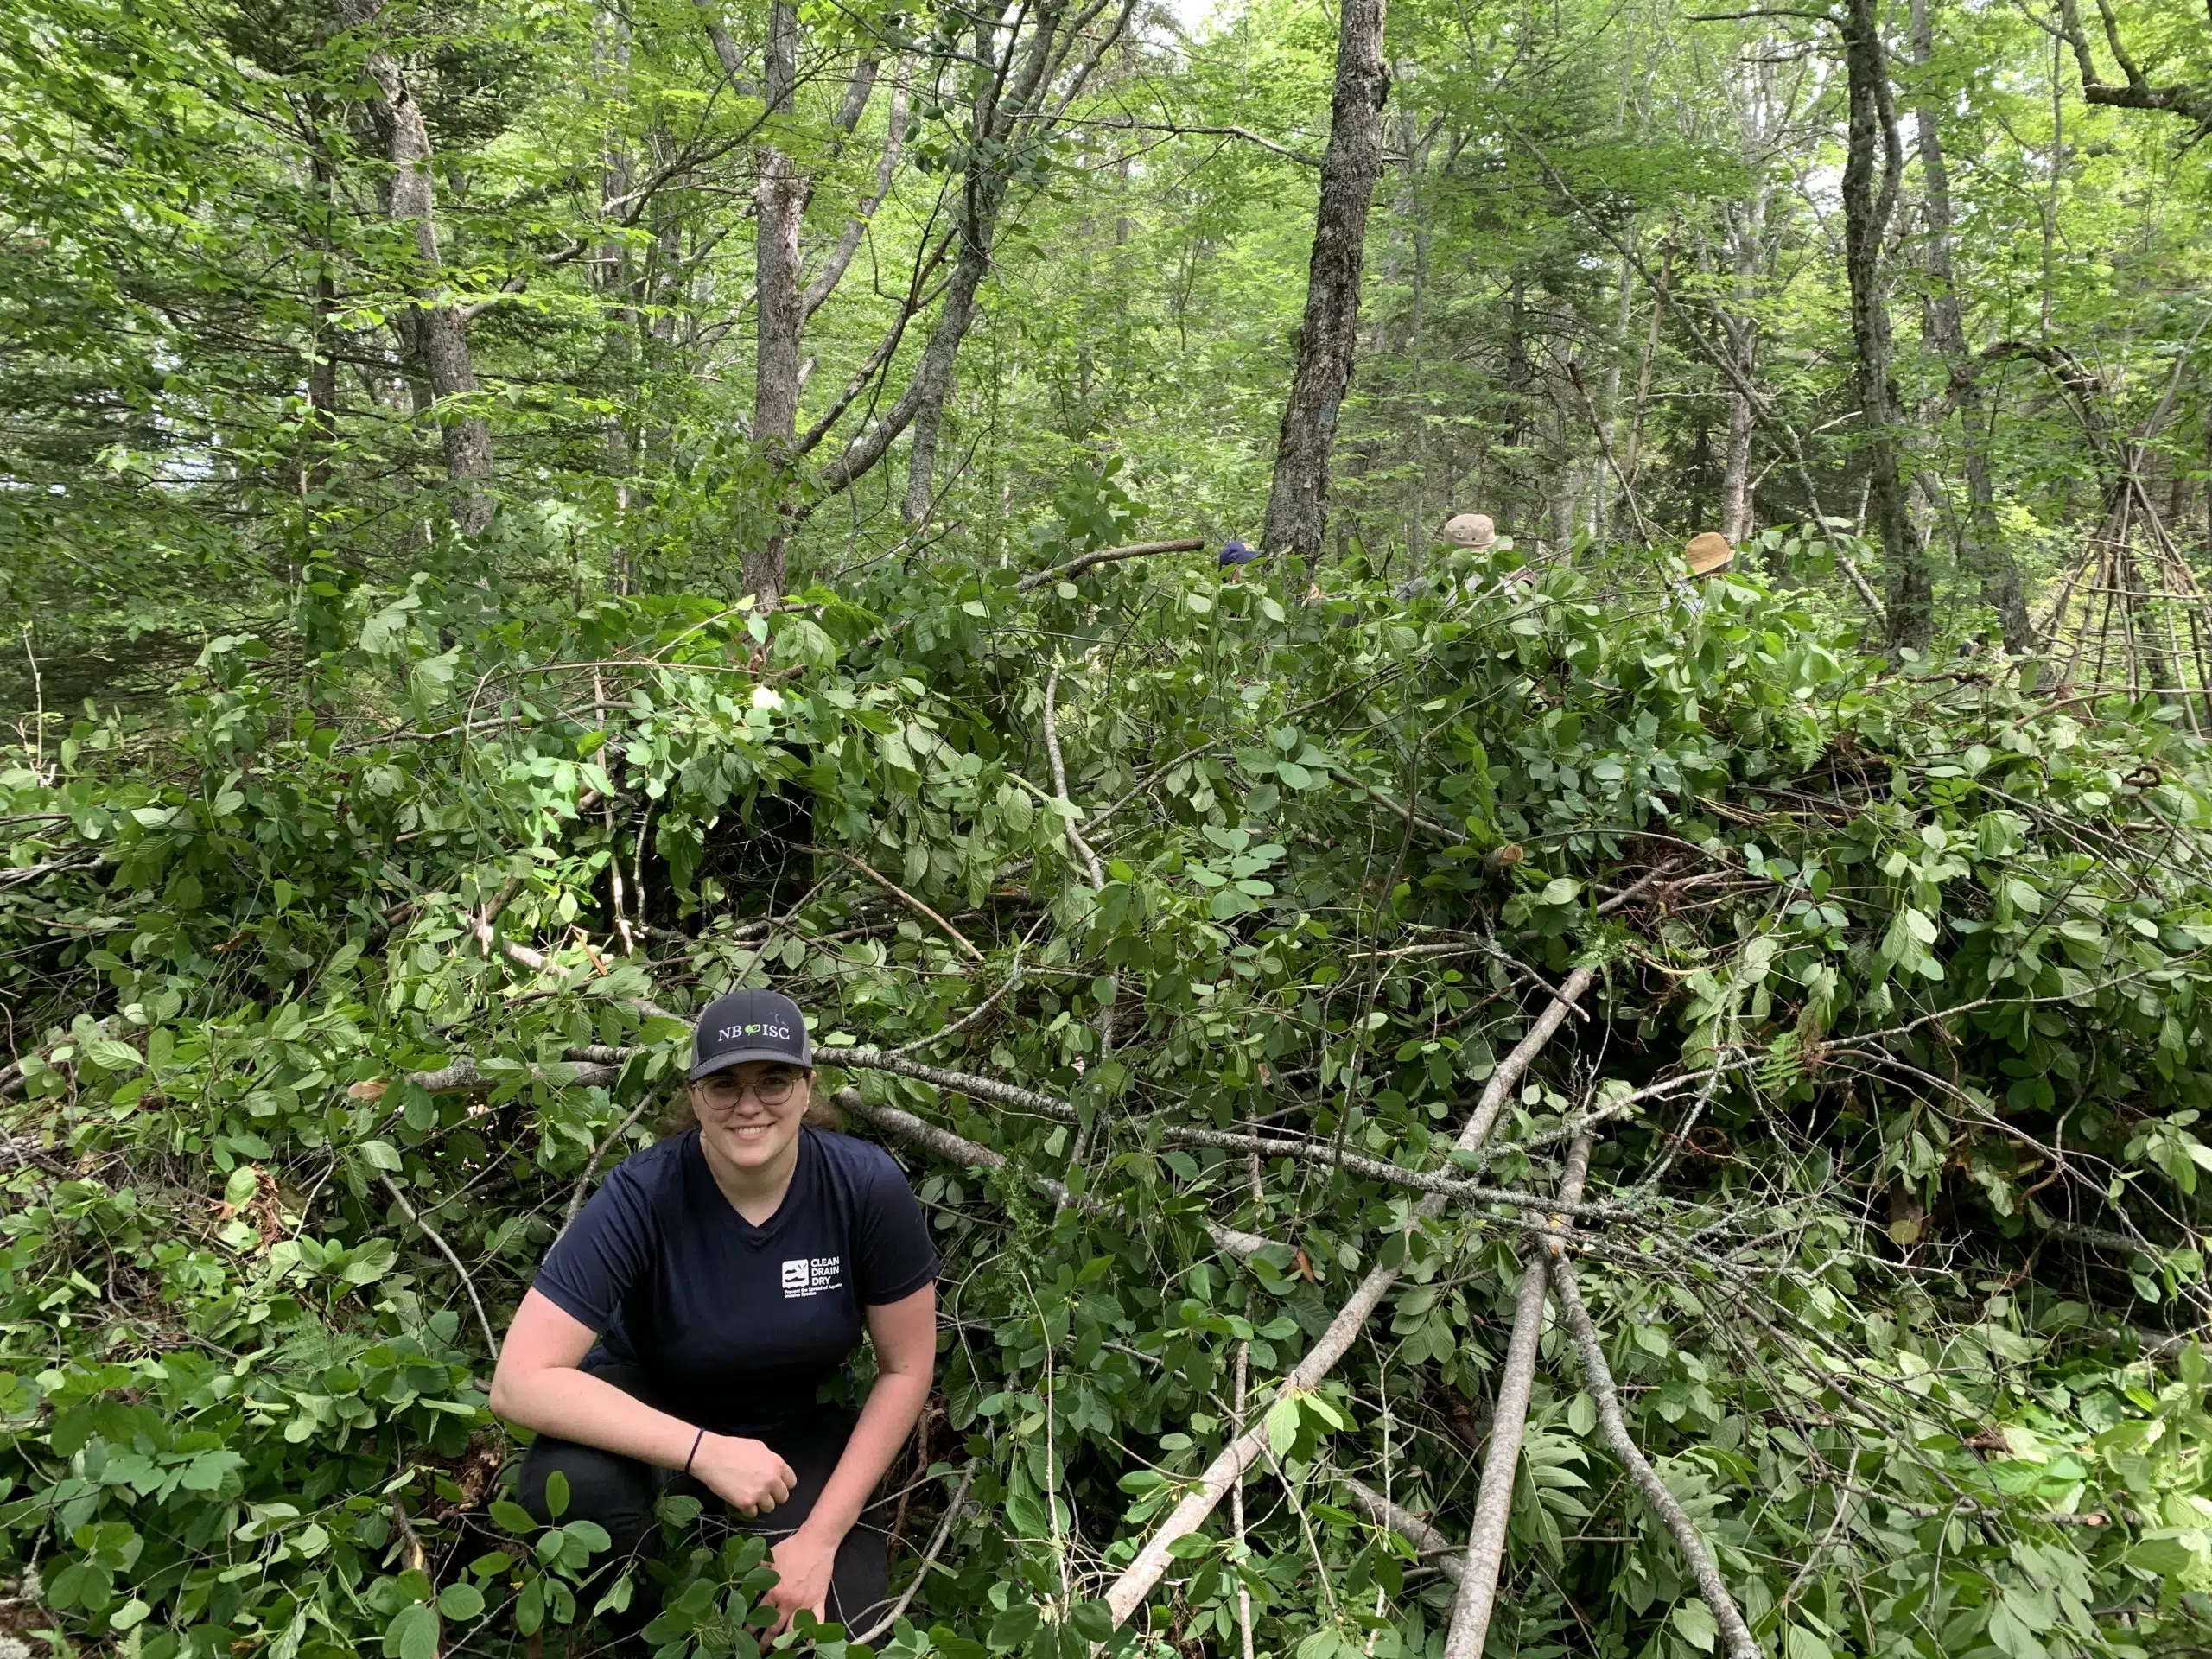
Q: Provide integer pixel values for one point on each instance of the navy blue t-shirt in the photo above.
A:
(724, 1324)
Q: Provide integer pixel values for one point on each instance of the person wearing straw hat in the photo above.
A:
(1475, 531)
(1709, 552)
(1465, 532)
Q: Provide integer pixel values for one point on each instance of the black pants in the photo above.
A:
(620, 1492)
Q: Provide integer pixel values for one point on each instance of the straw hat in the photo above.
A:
(1470, 530)
(1709, 552)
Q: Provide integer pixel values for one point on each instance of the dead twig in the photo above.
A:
(491, 1342)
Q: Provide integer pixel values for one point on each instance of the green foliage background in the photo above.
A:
(356, 875)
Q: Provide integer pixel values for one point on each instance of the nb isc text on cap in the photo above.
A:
(744, 1025)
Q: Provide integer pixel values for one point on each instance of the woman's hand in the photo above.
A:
(804, 1566)
(744, 1474)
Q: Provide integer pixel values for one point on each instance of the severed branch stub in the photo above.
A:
(1128, 1593)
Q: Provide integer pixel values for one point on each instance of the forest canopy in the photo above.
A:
(1474, 1095)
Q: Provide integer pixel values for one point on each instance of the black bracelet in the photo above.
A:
(695, 1451)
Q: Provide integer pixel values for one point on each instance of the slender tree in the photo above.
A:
(438, 326)
(1980, 544)
(1868, 207)
(1328, 339)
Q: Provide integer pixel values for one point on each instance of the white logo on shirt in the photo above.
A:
(805, 1275)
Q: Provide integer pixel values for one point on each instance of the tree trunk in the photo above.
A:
(1328, 339)
(441, 330)
(611, 278)
(998, 117)
(1980, 542)
(319, 431)
(779, 306)
(1866, 211)
(1746, 223)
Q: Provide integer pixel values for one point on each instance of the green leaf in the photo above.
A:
(1697, 1625)
(413, 1633)
(461, 1601)
(557, 1495)
(380, 1155)
(1282, 1426)
(112, 1056)
(512, 1518)
(371, 1262)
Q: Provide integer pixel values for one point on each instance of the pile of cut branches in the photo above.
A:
(1517, 1114)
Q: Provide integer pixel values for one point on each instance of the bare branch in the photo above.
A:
(1106, 556)
(491, 1342)
(1509, 1418)
(1600, 1377)
(1128, 1593)
(967, 946)
(1427, 1540)
(1175, 130)
(840, 257)
(929, 1556)
(960, 1150)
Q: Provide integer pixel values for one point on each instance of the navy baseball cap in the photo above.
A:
(749, 1025)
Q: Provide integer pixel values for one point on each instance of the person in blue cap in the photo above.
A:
(679, 1330)
(1235, 555)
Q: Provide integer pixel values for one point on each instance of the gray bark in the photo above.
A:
(1868, 209)
(778, 307)
(440, 332)
(1981, 545)
(1328, 339)
(1477, 1597)
(1746, 222)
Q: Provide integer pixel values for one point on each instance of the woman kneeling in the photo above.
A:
(678, 1331)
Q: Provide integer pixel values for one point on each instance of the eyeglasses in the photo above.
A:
(725, 1093)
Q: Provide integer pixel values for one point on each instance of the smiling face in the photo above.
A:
(749, 1114)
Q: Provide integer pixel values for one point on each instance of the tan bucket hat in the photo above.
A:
(1470, 530)
(1709, 552)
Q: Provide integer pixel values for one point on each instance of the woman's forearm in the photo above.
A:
(893, 1406)
(574, 1405)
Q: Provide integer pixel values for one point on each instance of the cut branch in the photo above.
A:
(959, 1150)
(1106, 556)
(1600, 1377)
(1508, 1419)
(1427, 1542)
(1128, 1592)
